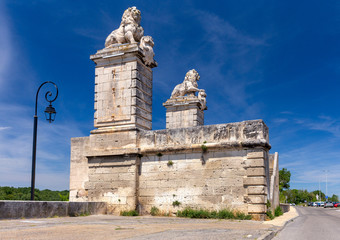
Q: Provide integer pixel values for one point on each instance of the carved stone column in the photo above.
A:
(123, 89)
(183, 112)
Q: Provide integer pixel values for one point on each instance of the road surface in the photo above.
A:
(313, 224)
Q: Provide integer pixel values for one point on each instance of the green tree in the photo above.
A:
(284, 179)
(334, 198)
(320, 194)
(24, 193)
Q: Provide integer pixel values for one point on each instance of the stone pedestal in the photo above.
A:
(123, 89)
(183, 112)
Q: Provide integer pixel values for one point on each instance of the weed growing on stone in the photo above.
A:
(154, 211)
(270, 215)
(159, 154)
(129, 213)
(170, 163)
(204, 147)
(222, 214)
(278, 211)
(176, 203)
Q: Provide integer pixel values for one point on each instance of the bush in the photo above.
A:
(278, 211)
(222, 214)
(129, 213)
(243, 216)
(225, 214)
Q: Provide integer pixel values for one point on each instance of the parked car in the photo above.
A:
(328, 204)
(314, 204)
(337, 204)
(320, 204)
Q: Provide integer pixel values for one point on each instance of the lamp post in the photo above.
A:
(50, 116)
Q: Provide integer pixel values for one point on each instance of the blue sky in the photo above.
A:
(273, 60)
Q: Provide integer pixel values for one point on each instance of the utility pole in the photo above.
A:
(326, 183)
(319, 190)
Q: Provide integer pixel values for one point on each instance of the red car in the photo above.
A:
(337, 205)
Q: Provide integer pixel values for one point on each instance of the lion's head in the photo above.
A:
(131, 15)
(192, 76)
(147, 41)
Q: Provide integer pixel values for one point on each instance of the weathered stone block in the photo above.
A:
(256, 208)
(255, 162)
(256, 190)
(257, 199)
(255, 181)
(258, 171)
(257, 154)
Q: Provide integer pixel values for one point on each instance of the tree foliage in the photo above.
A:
(24, 193)
(284, 179)
(302, 196)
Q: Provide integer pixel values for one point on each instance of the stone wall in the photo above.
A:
(43, 209)
(211, 167)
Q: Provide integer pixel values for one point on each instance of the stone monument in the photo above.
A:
(184, 108)
(131, 167)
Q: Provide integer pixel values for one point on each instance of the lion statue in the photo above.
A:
(188, 86)
(202, 96)
(146, 44)
(129, 30)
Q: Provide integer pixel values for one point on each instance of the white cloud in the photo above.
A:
(221, 31)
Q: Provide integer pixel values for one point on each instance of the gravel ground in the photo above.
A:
(142, 227)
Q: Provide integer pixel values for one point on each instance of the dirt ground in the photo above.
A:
(144, 227)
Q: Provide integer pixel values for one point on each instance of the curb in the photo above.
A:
(270, 235)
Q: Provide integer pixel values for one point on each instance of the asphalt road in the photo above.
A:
(313, 224)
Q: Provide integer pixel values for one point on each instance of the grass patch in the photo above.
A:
(129, 213)
(222, 214)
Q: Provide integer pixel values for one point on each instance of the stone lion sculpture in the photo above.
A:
(202, 96)
(129, 30)
(146, 44)
(188, 86)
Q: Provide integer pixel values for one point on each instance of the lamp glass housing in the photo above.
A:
(50, 113)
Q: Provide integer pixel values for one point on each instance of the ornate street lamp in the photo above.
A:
(50, 116)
